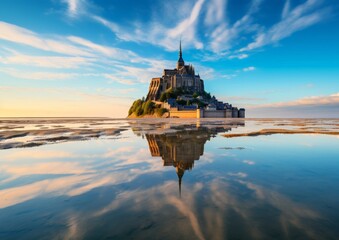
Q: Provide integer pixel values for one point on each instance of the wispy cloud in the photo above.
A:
(302, 16)
(187, 27)
(215, 12)
(159, 33)
(112, 26)
(228, 76)
(223, 36)
(116, 78)
(26, 37)
(116, 64)
(46, 61)
(115, 53)
(37, 75)
(75, 7)
(66, 45)
(248, 69)
(205, 25)
(239, 56)
(313, 100)
(314, 106)
(286, 9)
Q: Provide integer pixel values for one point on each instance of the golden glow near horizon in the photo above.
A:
(25, 102)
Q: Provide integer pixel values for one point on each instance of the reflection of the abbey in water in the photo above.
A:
(180, 149)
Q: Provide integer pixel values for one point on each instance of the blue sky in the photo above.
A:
(276, 58)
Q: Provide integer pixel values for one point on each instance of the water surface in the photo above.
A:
(168, 179)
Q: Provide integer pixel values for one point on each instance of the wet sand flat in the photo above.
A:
(27, 132)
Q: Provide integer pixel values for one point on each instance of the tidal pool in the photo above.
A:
(168, 179)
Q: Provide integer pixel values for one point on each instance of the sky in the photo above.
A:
(87, 58)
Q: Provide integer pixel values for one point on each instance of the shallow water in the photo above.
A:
(172, 179)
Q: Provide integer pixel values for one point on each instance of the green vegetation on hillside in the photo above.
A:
(141, 107)
(170, 93)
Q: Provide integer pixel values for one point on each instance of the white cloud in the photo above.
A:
(313, 100)
(121, 80)
(286, 9)
(71, 45)
(223, 36)
(37, 75)
(115, 64)
(308, 107)
(187, 27)
(229, 76)
(239, 56)
(46, 61)
(75, 7)
(215, 12)
(13, 33)
(115, 53)
(218, 34)
(158, 33)
(302, 16)
(72, 6)
(247, 69)
(112, 26)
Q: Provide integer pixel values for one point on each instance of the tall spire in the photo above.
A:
(180, 62)
(180, 51)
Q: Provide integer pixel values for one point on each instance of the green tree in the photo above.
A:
(134, 106)
(148, 107)
(139, 111)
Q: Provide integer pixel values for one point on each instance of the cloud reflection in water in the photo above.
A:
(120, 189)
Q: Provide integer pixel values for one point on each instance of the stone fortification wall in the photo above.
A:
(183, 113)
(214, 114)
(200, 113)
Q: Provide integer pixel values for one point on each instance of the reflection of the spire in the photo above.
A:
(181, 148)
(180, 173)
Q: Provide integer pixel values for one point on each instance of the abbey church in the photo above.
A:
(180, 93)
(183, 76)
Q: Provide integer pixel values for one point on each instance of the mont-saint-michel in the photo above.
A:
(180, 93)
(81, 157)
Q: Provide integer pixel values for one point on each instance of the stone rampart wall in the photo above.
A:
(200, 113)
(214, 114)
(184, 113)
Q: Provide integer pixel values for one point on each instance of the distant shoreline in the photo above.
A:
(126, 118)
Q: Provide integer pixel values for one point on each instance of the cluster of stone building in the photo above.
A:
(184, 77)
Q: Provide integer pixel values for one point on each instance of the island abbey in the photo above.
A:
(183, 76)
(181, 92)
